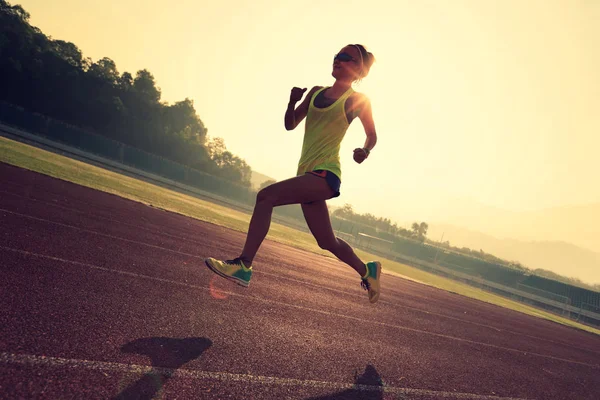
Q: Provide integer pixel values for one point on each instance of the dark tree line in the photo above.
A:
(418, 231)
(53, 78)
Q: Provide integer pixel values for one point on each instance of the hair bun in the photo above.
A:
(370, 59)
(367, 59)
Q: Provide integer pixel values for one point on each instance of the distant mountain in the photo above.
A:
(563, 258)
(579, 225)
(257, 179)
(574, 224)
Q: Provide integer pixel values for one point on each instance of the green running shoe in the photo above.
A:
(234, 270)
(370, 281)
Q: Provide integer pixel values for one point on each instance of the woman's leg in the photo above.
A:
(301, 189)
(317, 218)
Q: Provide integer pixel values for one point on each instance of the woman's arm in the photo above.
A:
(366, 118)
(293, 116)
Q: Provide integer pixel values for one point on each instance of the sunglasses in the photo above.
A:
(343, 57)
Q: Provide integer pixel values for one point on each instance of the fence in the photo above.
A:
(544, 293)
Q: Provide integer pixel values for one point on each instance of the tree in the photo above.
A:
(145, 87)
(69, 53)
(216, 147)
(419, 230)
(415, 228)
(125, 82)
(181, 119)
(105, 69)
(423, 229)
(346, 212)
(231, 167)
(15, 11)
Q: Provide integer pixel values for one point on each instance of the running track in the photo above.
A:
(106, 298)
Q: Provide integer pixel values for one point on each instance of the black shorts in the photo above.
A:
(332, 180)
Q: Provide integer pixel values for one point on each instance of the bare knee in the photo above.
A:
(265, 197)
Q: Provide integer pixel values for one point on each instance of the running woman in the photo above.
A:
(329, 112)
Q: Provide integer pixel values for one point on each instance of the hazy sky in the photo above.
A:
(495, 101)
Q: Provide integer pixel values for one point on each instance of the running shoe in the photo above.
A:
(370, 281)
(234, 270)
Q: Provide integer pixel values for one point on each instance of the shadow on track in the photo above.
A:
(369, 386)
(167, 355)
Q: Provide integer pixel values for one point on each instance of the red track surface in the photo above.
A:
(103, 297)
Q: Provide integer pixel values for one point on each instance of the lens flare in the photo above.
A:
(215, 288)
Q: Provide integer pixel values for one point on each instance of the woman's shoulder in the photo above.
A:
(359, 97)
(315, 89)
(358, 100)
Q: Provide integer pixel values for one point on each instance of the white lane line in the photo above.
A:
(57, 362)
(300, 281)
(101, 234)
(313, 310)
(114, 221)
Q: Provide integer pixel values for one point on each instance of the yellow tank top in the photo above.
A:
(323, 133)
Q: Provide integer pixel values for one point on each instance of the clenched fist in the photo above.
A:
(297, 94)
(360, 155)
